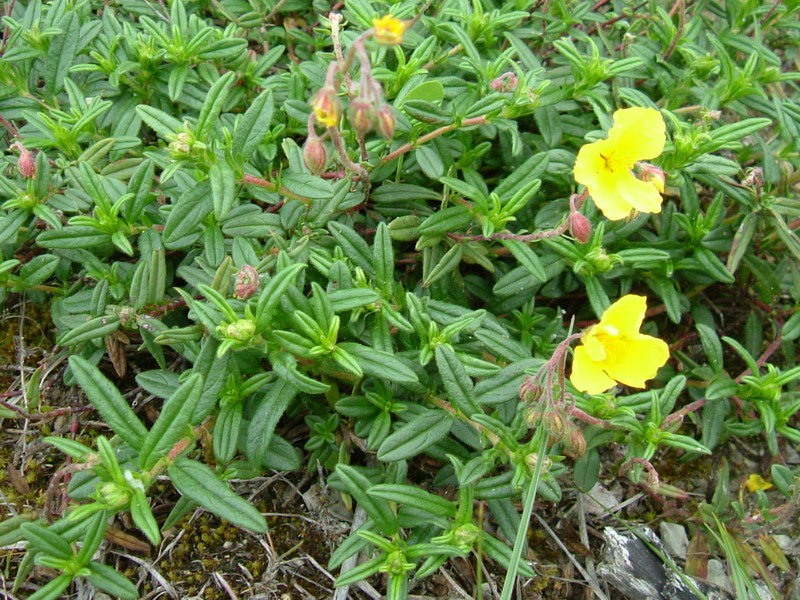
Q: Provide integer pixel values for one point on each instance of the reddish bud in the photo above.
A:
(361, 116)
(507, 82)
(26, 164)
(246, 283)
(386, 121)
(580, 227)
(314, 155)
(575, 441)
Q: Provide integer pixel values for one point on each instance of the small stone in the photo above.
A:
(599, 500)
(675, 539)
(718, 575)
(785, 543)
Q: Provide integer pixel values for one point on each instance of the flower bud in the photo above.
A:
(114, 495)
(361, 115)
(386, 121)
(465, 536)
(507, 82)
(314, 155)
(388, 30)
(246, 283)
(327, 107)
(580, 227)
(26, 165)
(654, 175)
(575, 441)
(182, 144)
(555, 424)
(530, 391)
(241, 330)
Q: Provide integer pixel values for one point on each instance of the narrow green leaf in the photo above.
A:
(267, 414)
(201, 485)
(213, 105)
(111, 581)
(173, 422)
(106, 398)
(416, 436)
(409, 495)
(378, 510)
(253, 125)
(456, 381)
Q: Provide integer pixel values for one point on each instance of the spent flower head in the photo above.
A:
(614, 351)
(605, 167)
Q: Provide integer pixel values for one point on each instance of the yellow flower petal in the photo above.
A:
(587, 376)
(641, 195)
(637, 134)
(756, 482)
(633, 361)
(626, 314)
(607, 197)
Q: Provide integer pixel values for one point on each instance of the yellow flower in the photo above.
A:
(756, 482)
(614, 350)
(327, 107)
(389, 30)
(604, 167)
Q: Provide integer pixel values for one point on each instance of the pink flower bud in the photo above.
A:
(314, 155)
(575, 441)
(386, 121)
(26, 165)
(580, 227)
(246, 283)
(507, 82)
(361, 115)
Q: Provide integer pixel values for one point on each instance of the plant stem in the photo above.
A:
(482, 120)
(527, 510)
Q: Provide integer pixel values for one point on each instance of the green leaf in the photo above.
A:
(527, 258)
(53, 589)
(353, 246)
(383, 259)
(213, 105)
(183, 223)
(223, 187)
(416, 436)
(379, 364)
(253, 125)
(143, 517)
(451, 260)
(47, 541)
(358, 485)
(173, 422)
(446, 220)
(456, 381)
(163, 124)
(343, 300)
(201, 485)
(111, 581)
(61, 53)
(265, 419)
(712, 347)
(273, 292)
(430, 91)
(732, 132)
(430, 161)
(108, 401)
(409, 495)
(307, 186)
(91, 330)
(362, 571)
